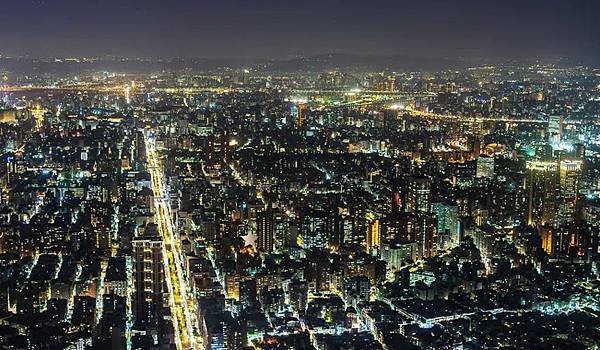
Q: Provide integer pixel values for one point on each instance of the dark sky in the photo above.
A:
(285, 28)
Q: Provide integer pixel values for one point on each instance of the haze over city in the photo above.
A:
(271, 29)
(307, 175)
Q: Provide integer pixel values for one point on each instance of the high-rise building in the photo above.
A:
(579, 150)
(447, 220)
(358, 214)
(103, 239)
(299, 114)
(147, 278)
(218, 149)
(425, 235)
(485, 167)
(396, 253)
(390, 120)
(312, 227)
(247, 290)
(555, 128)
(265, 231)
(321, 229)
(282, 230)
(298, 296)
(569, 174)
(419, 195)
(541, 187)
(418, 228)
(115, 281)
(591, 213)
(236, 331)
(552, 191)
(357, 289)
(374, 237)
(547, 239)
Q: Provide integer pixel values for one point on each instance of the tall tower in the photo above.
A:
(446, 216)
(265, 230)
(38, 114)
(555, 129)
(225, 151)
(569, 173)
(485, 167)
(299, 113)
(374, 237)
(425, 235)
(358, 213)
(419, 195)
(148, 278)
(541, 185)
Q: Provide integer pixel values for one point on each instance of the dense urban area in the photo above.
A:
(250, 208)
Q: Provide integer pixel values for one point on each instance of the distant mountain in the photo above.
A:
(349, 62)
(346, 62)
(122, 65)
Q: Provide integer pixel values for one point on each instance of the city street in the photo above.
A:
(181, 302)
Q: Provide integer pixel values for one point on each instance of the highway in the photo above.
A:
(449, 117)
(181, 299)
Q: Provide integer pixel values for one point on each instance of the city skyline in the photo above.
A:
(390, 175)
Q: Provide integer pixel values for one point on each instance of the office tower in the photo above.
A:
(541, 183)
(103, 239)
(265, 231)
(374, 237)
(399, 227)
(591, 213)
(390, 120)
(335, 229)
(225, 148)
(357, 289)
(579, 150)
(298, 296)
(147, 278)
(115, 281)
(236, 332)
(419, 195)
(84, 308)
(218, 149)
(313, 227)
(476, 128)
(247, 290)
(396, 253)
(562, 240)
(397, 203)
(547, 239)
(569, 174)
(358, 234)
(419, 228)
(321, 229)
(555, 129)
(447, 220)
(5, 298)
(282, 231)
(476, 147)
(299, 114)
(480, 216)
(485, 167)
(425, 234)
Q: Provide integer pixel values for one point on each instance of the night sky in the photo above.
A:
(283, 29)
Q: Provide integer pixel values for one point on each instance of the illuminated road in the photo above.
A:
(84, 88)
(181, 300)
(448, 117)
(359, 91)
